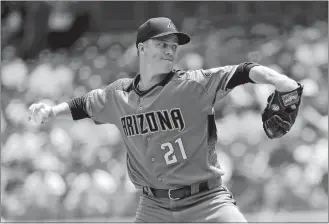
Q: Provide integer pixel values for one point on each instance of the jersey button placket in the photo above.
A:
(140, 104)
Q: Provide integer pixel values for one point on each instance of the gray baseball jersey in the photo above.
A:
(169, 130)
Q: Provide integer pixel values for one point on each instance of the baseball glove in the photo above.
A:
(281, 112)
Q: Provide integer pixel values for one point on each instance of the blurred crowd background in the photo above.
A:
(53, 51)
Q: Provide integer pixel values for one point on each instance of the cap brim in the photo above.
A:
(183, 38)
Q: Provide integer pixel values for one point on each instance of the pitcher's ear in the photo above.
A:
(141, 48)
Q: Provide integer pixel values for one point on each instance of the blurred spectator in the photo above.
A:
(66, 24)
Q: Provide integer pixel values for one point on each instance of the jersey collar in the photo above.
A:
(162, 83)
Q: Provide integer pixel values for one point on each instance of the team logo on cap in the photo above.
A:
(171, 26)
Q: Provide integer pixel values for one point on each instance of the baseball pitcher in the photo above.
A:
(167, 121)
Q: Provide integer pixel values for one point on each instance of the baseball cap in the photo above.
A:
(158, 27)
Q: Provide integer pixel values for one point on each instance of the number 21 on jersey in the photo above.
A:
(170, 156)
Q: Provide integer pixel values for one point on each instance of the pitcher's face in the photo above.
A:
(161, 53)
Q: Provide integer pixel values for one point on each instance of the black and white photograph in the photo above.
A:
(164, 111)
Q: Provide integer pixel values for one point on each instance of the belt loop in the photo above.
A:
(145, 191)
(195, 188)
(149, 191)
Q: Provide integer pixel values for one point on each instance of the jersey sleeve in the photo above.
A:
(215, 80)
(99, 105)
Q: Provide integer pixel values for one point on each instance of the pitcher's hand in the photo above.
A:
(40, 113)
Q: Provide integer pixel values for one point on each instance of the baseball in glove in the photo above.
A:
(281, 112)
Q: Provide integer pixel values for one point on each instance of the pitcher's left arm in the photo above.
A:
(264, 75)
(282, 105)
